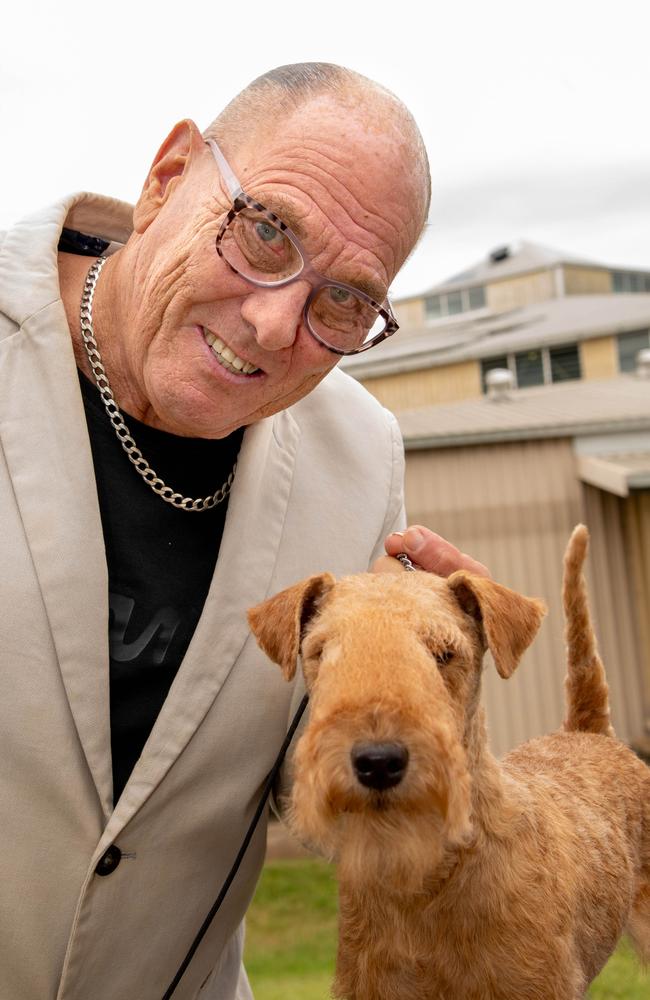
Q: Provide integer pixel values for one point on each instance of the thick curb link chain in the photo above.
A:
(405, 561)
(123, 433)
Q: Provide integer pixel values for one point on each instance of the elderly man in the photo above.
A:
(191, 335)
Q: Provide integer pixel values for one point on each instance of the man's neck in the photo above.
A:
(73, 270)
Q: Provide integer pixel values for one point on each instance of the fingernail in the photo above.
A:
(413, 540)
(396, 534)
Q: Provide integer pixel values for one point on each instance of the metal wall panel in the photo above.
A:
(587, 281)
(520, 290)
(637, 538)
(599, 358)
(513, 507)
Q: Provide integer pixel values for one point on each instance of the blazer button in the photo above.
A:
(109, 861)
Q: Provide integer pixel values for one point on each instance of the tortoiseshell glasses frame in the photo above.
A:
(378, 317)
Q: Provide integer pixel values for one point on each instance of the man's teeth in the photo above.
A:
(228, 358)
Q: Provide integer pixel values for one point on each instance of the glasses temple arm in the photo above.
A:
(233, 185)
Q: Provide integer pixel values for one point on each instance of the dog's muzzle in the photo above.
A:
(379, 765)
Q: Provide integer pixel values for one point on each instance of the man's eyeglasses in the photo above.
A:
(259, 247)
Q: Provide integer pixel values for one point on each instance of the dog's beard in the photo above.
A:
(399, 836)
(389, 849)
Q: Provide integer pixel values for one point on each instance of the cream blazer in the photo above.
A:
(318, 487)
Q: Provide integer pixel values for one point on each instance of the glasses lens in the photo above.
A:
(259, 250)
(342, 320)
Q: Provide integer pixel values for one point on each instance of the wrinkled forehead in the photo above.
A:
(330, 163)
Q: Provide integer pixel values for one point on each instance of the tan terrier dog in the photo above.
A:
(461, 878)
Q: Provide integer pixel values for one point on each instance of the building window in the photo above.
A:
(530, 368)
(452, 303)
(629, 345)
(565, 363)
(540, 366)
(630, 281)
(476, 297)
(433, 306)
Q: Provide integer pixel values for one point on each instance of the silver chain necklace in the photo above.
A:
(123, 433)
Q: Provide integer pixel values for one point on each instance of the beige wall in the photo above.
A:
(513, 293)
(450, 383)
(410, 312)
(410, 390)
(513, 506)
(599, 358)
(586, 281)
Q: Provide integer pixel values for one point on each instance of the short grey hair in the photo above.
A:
(281, 91)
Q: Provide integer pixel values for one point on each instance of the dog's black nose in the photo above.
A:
(379, 765)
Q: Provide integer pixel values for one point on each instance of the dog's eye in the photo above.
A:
(443, 657)
(312, 650)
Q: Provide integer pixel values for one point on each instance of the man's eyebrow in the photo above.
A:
(371, 288)
(282, 207)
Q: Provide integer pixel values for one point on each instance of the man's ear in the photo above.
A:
(510, 621)
(278, 623)
(168, 166)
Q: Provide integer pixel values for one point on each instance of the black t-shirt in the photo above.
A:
(160, 564)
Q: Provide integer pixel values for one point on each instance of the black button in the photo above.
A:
(109, 862)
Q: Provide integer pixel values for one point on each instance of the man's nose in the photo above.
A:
(276, 313)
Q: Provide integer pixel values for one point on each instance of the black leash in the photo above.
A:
(242, 850)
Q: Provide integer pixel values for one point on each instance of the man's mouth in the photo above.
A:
(227, 358)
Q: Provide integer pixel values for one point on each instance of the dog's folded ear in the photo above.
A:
(510, 621)
(279, 623)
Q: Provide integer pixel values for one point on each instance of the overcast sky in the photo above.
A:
(535, 114)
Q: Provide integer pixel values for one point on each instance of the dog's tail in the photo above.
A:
(587, 694)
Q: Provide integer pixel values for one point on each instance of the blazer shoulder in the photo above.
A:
(340, 397)
(343, 418)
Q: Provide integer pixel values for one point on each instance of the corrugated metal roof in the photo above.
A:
(567, 409)
(556, 321)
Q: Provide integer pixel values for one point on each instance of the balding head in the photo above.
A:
(273, 98)
(319, 151)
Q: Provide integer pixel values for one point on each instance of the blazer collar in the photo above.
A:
(29, 279)
(45, 440)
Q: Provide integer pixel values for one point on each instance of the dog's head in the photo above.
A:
(392, 663)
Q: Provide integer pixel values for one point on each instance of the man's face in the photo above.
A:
(341, 186)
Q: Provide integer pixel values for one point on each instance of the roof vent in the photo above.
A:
(643, 363)
(499, 382)
(499, 254)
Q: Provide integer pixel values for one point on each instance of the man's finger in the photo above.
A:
(432, 552)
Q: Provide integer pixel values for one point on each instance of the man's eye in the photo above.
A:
(340, 295)
(266, 231)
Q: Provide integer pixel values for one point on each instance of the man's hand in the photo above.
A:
(428, 551)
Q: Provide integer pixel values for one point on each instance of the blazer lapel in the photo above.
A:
(44, 437)
(251, 539)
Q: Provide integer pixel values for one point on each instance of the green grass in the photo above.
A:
(622, 978)
(291, 932)
(291, 939)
